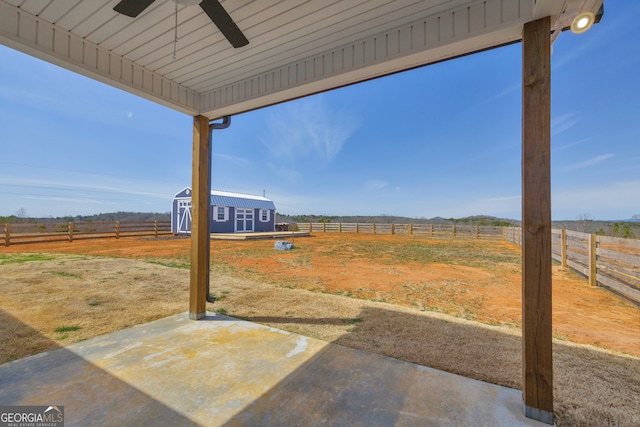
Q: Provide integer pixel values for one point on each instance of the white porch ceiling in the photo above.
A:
(295, 48)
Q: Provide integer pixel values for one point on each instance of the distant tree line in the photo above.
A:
(583, 223)
(102, 217)
(390, 219)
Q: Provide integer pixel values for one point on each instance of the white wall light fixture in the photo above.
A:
(582, 22)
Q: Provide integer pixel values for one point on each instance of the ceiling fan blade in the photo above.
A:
(132, 8)
(225, 24)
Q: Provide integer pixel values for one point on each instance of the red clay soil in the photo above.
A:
(336, 263)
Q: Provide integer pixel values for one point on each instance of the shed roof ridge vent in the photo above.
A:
(239, 195)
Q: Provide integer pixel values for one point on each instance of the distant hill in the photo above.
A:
(625, 228)
(628, 228)
(113, 216)
(389, 219)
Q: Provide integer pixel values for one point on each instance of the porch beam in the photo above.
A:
(537, 364)
(201, 219)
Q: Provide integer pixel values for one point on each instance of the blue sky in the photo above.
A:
(443, 140)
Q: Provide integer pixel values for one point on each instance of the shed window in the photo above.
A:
(264, 215)
(221, 213)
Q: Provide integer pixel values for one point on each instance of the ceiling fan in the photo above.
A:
(212, 8)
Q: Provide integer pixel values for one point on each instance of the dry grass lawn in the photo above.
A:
(53, 299)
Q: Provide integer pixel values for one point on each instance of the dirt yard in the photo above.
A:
(475, 280)
(453, 305)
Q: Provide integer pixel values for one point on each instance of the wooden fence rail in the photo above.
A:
(610, 262)
(429, 230)
(12, 234)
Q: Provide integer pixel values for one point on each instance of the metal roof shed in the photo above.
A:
(299, 48)
(230, 213)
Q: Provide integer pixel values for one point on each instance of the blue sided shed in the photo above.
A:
(230, 213)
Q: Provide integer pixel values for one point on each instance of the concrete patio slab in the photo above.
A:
(224, 371)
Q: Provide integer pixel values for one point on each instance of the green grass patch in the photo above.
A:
(219, 297)
(71, 328)
(65, 274)
(23, 258)
(221, 310)
(171, 263)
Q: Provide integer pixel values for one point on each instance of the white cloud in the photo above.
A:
(375, 184)
(236, 160)
(564, 122)
(571, 144)
(307, 128)
(617, 200)
(589, 162)
(86, 183)
(284, 172)
(505, 92)
(74, 200)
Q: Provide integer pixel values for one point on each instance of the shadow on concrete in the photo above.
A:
(348, 386)
(457, 347)
(346, 382)
(591, 385)
(302, 320)
(338, 386)
(90, 395)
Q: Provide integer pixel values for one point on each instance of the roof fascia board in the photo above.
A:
(36, 37)
(542, 8)
(447, 34)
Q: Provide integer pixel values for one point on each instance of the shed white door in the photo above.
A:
(244, 220)
(184, 216)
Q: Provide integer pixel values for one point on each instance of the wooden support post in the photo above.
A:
(357, 228)
(155, 228)
(392, 229)
(324, 227)
(593, 270)
(200, 223)
(310, 227)
(70, 231)
(563, 248)
(409, 230)
(537, 363)
(117, 229)
(453, 230)
(477, 232)
(374, 228)
(7, 238)
(340, 227)
(430, 230)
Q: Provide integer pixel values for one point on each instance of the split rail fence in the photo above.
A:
(426, 230)
(610, 262)
(12, 234)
